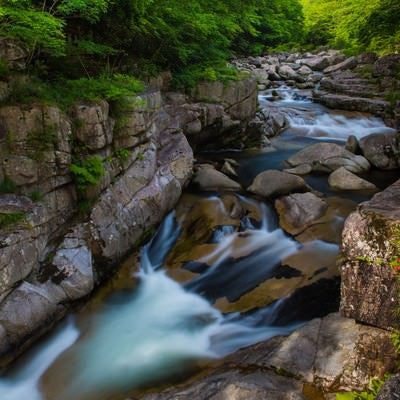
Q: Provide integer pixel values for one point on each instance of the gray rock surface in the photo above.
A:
(273, 183)
(298, 211)
(328, 354)
(382, 150)
(208, 178)
(391, 389)
(342, 179)
(327, 157)
(369, 262)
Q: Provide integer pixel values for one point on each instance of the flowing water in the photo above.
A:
(209, 282)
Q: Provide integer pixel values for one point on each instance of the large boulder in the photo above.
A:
(370, 260)
(382, 149)
(315, 63)
(326, 157)
(324, 356)
(349, 63)
(208, 178)
(275, 183)
(299, 210)
(342, 179)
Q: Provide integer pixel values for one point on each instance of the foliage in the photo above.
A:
(7, 185)
(10, 219)
(36, 196)
(355, 25)
(66, 92)
(87, 172)
(372, 391)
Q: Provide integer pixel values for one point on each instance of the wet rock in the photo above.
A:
(208, 178)
(349, 103)
(333, 353)
(352, 144)
(349, 63)
(382, 150)
(369, 263)
(298, 211)
(302, 169)
(275, 183)
(235, 384)
(342, 179)
(228, 168)
(326, 157)
(391, 389)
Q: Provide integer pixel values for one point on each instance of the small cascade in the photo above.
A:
(335, 126)
(151, 333)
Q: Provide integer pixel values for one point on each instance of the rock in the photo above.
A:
(21, 170)
(326, 157)
(235, 384)
(262, 76)
(228, 168)
(302, 169)
(304, 70)
(328, 354)
(273, 183)
(315, 63)
(286, 72)
(382, 150)
(370, 260)
(342, 179)
(352, 144)
(334, 353)
(95, 128)
(11, 203)
(298, 211)
(351, 103)
(349, 63)
(367, 58)
(12, 52)
(386, 66)
(74, 273)
(208, 178)
(239, 98)
(391, 389)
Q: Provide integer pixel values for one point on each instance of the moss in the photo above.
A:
(7, 185)
(11, 220)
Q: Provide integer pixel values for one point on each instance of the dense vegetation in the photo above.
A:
(354, 25)
(70, 42)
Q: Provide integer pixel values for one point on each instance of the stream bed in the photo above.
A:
(218, 275)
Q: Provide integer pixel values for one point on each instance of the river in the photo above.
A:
(210, 281)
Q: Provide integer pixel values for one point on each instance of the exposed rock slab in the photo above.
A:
(369, 266)
(208, 178)
(275, 183)
(382, 149)
(327, 157)
(299, 210)
(330, 354)
(342, 179)
(391, 389)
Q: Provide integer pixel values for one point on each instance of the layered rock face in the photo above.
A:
(371, 261)
(48, 256)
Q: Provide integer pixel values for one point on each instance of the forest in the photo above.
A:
(75, 41)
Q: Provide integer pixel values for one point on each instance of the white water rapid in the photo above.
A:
(152, 332)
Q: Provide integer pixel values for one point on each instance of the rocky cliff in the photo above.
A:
(50, 255)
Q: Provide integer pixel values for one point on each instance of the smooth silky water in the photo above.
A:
(154, 330)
